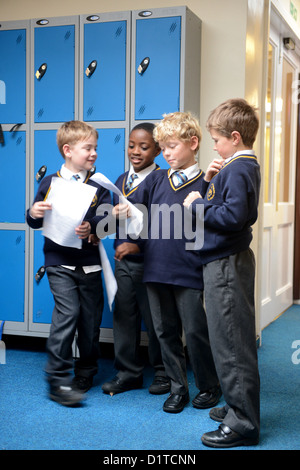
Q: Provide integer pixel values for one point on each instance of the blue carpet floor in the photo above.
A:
(135, 420)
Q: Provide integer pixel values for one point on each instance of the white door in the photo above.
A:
(279, 179)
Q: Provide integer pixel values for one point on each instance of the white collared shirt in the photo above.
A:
(240, 152)
(67, 175)
(141, 175)
(189, 172)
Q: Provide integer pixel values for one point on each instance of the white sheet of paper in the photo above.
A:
(135, 221)
(70, 201)
(109, 278)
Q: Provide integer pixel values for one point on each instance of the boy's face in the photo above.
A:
(82, 155)
(142, 149)
(225, 146)
(179, 154)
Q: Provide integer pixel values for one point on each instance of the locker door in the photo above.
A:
(46, 154)
(110, 162)
(54, 91)
(157, 88)
(13, 168)
(105, 87)
(111, 149)
(13, 76)
(12, 272)
(43, 302)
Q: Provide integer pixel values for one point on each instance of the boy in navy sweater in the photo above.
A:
(172, 272)
(131, 301)
(230, 209)
(74, 274)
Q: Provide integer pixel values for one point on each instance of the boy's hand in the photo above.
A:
(83, 230)
(213, 168)
(38, 209)
(94, 239)
(190, 198)
(121, 211)
(126, 249)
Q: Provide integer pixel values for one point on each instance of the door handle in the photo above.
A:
(91, 68)
(41, 173)
(41, 71)
(143, 65)
(40, 274)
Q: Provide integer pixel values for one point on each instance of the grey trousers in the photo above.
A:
(229, 303)
(131, 307)
(175, 309)
(78, 306)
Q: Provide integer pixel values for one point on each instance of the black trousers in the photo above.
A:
(229, 301)
(175, 309)
(131, 307)
(78, 306)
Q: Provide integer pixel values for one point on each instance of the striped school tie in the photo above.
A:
(76, 177)
(130, 181)
(178, 178)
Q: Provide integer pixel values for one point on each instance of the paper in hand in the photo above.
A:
(70, 202)
(135, 221)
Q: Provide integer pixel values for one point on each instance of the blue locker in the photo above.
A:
(111, 148)
(157, 88)
(54, 90)
(105, 86)
(110, 162)
(13, 76)
(13, 168)
(12, 280)
(43, 302)
(46, 153)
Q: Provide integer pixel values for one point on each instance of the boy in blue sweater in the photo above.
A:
(74, 274)
(173, 272)
(230, 204)
(131, 301)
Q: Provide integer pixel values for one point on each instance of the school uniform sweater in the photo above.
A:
(133, 196)
(57, 255)
(167, 260)
(230, 203)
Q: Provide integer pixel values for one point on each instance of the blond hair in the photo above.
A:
(180, 125)
(72, 132)
(235, 115)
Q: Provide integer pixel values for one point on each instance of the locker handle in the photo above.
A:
(143, 65)
(41, 173)
(15, 127)
(91, 68)
(41, 71)
(40, 274)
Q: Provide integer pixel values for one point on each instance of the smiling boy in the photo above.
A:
(74, 274)
(131, 301)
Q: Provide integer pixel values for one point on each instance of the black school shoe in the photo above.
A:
(83, 384)
(208, 398)
(117, 385)
(218, 414)
(225, 437)
(175, 403)
(160, 385)
(66, 395)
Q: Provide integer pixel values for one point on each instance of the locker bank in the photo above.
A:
(106, 69)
